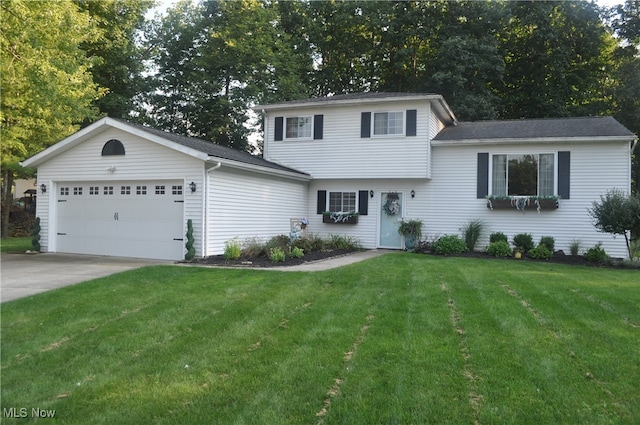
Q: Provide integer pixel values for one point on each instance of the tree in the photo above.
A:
(47, 87)
(617, 213)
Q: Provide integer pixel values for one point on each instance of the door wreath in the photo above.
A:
(392, 206)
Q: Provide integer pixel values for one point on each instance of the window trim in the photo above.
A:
(403, 124)
(507, 154)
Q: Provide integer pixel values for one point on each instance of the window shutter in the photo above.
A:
(322, 202)
(365, 125)
(279, 127)
(564, 173)
(318, 122)
(483, 175)
(363, 202)
(412, 117)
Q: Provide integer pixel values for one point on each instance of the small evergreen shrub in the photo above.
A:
(524, 241)
(574, 248)
(232, 249)
(296, 252)
(499, 249)
(549, 242)
(472, 232)
(541, 252)
(497, 237)
(276, 255)
(191, 251)
(449, 245)
(596, 254)
(35, 235)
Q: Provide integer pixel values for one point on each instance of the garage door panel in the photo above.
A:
(130, 219)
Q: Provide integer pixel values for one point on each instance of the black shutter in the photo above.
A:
(365, 125)
(318, 122)
(564, 173)
(412, 117)
(322, 202)
(483, 175)
(363, 202)
(278, 130)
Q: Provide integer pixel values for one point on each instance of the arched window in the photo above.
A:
(113, 147)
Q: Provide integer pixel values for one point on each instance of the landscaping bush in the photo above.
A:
(523, 241)
(191, 251)
(232, 249)
(497, 237)
(574, 248)
(449, 245)
(280, 241)
(296, 252)
(253, 247)
(596, 254)
(541, 252)
(342, 242)
(277, 255)
(472, 232)
(499, 249)
(549, 242)
(309, 243)
(35, 240)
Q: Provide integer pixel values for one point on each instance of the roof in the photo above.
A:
(545, 128)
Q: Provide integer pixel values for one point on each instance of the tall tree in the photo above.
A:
(47, 87)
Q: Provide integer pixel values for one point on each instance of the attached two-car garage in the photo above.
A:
(141, 219)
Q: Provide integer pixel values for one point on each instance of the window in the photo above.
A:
(298, 127)
(160, 190)
(113, 147)
(176, 190)
(107, 190)
(94, 190)
(64, 191)
(523, 175)
(77, 190)
(141, 190)
(125, 190)
(342, 201)
(387, 123)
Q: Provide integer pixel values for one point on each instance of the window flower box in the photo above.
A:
(340, 218)
(522, 203)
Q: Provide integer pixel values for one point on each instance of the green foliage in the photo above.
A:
(549, 242)
(596, 254)
(276, 255)
(574, 248)
(498, 236)
(342, 242)
(449, 245)
(191, 251)
(524, 242)
(254, 247)
(617, 213)
(310, 242)
(499, 248)
(541, 252)
(35, 240)
(279, 241)
(232, 249)
(472, 231)
(296, 252)
(411, 228)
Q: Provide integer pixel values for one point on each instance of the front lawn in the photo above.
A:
(403, 338)
(21, 244)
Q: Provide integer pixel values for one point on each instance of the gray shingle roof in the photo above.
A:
(214, 150)
(536, 128)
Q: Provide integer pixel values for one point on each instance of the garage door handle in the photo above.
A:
(62, 234)
(178, 239)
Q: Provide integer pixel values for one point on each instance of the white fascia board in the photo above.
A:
(355, 101)
(540, 140)
(259, 169)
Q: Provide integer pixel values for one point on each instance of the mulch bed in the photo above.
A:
(263, 261)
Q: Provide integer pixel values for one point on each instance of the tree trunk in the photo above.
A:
(7, 200)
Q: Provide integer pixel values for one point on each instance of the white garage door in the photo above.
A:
(127, 219)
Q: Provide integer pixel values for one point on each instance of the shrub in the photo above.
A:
(574, 248)
(618, 214)
(232, 249)
(296, 252)
(596, 254)
(191, 251)
(276, 255)
(342, 242)
(449, 245)
(549, 242)
(253, 247)
(523, 241)
(280, 241)
(472, 232)
(497, 237)
(499, 249)
(35, 240)
(541, 252)
(309, 243)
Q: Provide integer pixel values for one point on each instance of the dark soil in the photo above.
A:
(263, 261)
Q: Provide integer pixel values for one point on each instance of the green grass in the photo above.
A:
(15, 244)
(403, 338)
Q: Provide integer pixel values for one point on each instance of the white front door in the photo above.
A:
(141, 219)
(391, 210)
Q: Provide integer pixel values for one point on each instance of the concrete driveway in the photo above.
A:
(23, 275)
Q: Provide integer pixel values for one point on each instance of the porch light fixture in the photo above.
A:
(192, 186)
(371, 193)
(43, 188)
(413, 194)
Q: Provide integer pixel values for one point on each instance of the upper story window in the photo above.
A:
(299, 127)
(113, 147)
(385, 123)
(342, 201)
(523, 175)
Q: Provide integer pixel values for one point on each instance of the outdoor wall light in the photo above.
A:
(413, 194)
(371, 193)
(192, 185)
(43, 188)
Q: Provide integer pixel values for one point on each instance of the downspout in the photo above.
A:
(633, 146)
(264, 135)
(205, 248)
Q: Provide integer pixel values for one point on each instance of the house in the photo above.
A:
(116, 188)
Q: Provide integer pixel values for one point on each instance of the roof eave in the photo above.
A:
(296, 175)
(340, 101)
(539, 140)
